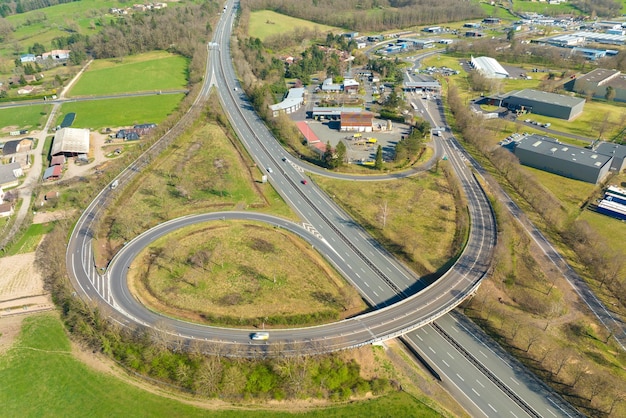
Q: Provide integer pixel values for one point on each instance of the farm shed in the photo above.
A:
(70, 142)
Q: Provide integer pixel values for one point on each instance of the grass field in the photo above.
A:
(23, 117)
(42, 379)
(126, 111)
(241, 271)
(420, 220)
(30, 239)
(544, 8)
(266, 23)
(145, 72)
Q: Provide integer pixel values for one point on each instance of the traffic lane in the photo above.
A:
(456, 369)
(513, 374)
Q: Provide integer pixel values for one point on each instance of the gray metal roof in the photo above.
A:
(550, 98)
(575, 155)
(611, 149)
(7, 174)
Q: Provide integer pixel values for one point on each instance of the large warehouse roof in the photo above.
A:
(545, 97)
(551, 147)
(71, 140)
(489, 67)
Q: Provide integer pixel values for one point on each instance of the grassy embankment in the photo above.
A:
(47, 380)
(266, 23)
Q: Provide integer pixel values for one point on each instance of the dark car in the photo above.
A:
(304, 181)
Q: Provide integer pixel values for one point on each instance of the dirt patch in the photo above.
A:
(19, 277)
(43, 217)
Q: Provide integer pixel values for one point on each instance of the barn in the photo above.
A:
(70, 142)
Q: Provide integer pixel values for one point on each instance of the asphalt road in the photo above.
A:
(406, 303)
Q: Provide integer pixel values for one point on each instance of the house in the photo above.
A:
(291, 103)
(57, 54)
(51, 195)
(10, 174)
(350, 85)
(356, 121)
(550, 155)
(27, 58)
(25, 90)
(53, 173)
(70, 142)
(6, 208)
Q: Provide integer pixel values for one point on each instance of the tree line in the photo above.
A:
(372, 15)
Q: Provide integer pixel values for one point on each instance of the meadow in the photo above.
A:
(145, 72)
(43, 379)
(23, 117)
(30, 239)
(266, 23)
(125, 111)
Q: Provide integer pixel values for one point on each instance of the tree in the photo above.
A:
(379, 158)
(328, 157)
(340, 152)
(610, 93)
(22, 80)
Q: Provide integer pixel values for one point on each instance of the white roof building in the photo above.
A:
(70, 141)
(489, 67)
(291, 103)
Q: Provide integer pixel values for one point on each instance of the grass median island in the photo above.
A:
(236, 273)
(413, 217)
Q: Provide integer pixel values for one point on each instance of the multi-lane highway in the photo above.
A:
(403, 302)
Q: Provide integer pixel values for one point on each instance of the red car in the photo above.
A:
(303, 181)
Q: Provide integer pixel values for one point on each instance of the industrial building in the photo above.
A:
(543, 103)
(597, 81)
(550, 155)
(422, 83)
(70, 142)
(610, 149)
(292, 102)
(489, 67)
(332, 112)
(356, 121)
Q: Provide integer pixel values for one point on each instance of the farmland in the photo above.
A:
(266, 23)
(23, 117)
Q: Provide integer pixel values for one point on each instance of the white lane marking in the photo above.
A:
(483, 354)
(515, 381)
(490, 406)
(459, 376)
(445, 362)
(474, 390)
(431, 349)
(366, 284)
(478, 381)
(552, 413)
(450, 355)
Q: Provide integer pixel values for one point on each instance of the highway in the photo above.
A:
(404, 302)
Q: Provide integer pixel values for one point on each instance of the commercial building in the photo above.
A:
(543, 103)
(356, 121)
(489, 67)
(292, 102)
(596, 83)
(70, 142)
(552, 156)
(332, 112)
(618, 152)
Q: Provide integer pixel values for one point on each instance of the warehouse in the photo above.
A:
(550, 155)
(489, 67)
(70, 142)
(292, 102)
(546, 104)
(597, 81)
(357, 121)
(618, 152)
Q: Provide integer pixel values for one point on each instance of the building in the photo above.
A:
(53, 173)
(70, 142)
(292, 102)
(57, 54)
(329, 87)
(6, 208)
(546, 104)
(596, 82)
(550, 155)
(589, 53)
(331, 113)
(27, 58)
(26, 90)
(433, 29)
(356, 121)
(489, 67)
(474, 34)
(350, 85)
(57, 160)
(610, 149)
(10, 174)
(18, 145)
(422, 83)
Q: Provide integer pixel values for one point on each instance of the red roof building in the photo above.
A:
(357, 121)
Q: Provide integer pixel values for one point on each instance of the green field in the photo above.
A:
(23, 117)
(30, 239)
(266, 23)
(97, 114)
(41, 378)
(544, 8)
(145, 72)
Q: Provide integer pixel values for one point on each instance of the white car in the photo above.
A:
(269, 170)
(260, 336)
